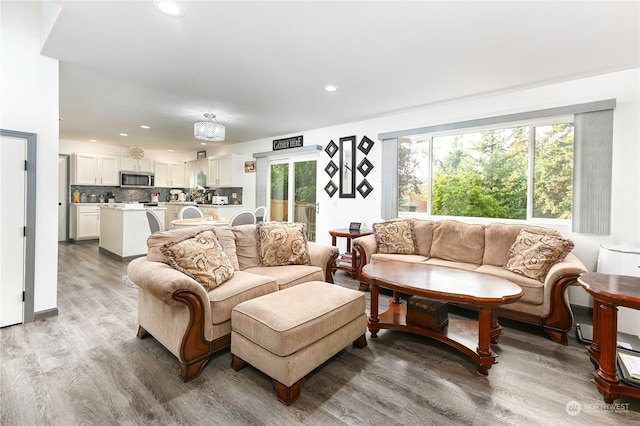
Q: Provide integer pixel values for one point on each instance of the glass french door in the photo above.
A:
(292, 192)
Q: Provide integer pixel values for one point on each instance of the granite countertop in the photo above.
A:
(220, 205)
(129, 206)
(184, 203)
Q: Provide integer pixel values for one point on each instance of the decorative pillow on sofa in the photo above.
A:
(200, 257)
(395, 236)
(533, 254)
(282, 243)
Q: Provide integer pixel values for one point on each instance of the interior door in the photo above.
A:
(13, 154)
(292, 191)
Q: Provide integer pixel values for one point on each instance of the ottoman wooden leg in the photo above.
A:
(288, 394)
(361, 342)
(237, 363)
(142, 333)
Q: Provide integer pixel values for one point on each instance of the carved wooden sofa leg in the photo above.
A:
(195, 349)
(193, 369)
(560, 321)
(557, 336)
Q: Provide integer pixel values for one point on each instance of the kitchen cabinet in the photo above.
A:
(133, 165)
(172, 211)
(169, 175)
(225, 170)
(93, 169)
(85, 222)
(196, 173)
(224, 211)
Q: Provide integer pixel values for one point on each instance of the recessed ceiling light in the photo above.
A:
(170, 150)
(330, 88)
(203, 143)
(144, 127)
(93, 140)
(123, 134)
(169, 7)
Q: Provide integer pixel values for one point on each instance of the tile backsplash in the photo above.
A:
(133, 195)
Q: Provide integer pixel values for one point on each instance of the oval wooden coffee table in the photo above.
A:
(484, 292)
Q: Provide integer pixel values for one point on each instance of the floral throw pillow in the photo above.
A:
(395, 236)
(281, 243)
(533, 254)
(200, 257)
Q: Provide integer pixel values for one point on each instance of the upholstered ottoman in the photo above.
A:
(289, 333)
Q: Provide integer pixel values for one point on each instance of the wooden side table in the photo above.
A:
(609, 291)
(349, 235)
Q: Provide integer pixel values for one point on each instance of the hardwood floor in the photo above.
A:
(86, 366)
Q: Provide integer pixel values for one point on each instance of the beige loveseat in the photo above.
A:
(485, 249)
(194, 323)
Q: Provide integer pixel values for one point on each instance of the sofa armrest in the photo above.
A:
(558, 317)
(570, 266)
(366, 247)
(187, 336)
(323, 256)
(162, 281)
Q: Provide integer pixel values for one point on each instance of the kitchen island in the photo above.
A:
(124, 229)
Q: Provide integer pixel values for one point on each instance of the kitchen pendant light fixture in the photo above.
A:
(209, 130)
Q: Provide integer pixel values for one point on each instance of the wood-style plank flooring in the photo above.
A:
(86, 366)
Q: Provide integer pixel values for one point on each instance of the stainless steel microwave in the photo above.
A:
(137, 179)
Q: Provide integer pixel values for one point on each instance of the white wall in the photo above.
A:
(625, 227)
(29, 103)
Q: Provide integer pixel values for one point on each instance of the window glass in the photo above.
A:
(481, 174)
(486, 173)
(413, 174)
(553, 178)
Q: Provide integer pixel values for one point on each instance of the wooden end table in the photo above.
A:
(349, 235)
(609, 291)
(484, 292)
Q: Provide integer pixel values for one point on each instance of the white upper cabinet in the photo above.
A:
(196, 173)
(133, 165)
(92, 169)
(109, 170)
(169, 175)
(225, 170)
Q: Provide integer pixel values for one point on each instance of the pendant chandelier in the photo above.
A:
(208, 130)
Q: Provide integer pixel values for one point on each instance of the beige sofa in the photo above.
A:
(193, 323)
(485, 249)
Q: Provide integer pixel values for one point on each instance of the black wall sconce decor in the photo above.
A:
(330, 188)
(331, 168)
(365, 188)
(331, 149)
(365, 145)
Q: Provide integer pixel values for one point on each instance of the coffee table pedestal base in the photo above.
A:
(471, 337)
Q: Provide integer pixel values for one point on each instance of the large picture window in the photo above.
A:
(520, 172)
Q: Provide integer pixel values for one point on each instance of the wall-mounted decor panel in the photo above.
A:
(348, 167)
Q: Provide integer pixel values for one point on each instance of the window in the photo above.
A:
(485, 172)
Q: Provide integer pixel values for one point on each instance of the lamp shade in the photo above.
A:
(209, 129)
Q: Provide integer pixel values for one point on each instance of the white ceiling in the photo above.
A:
(261, 66)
